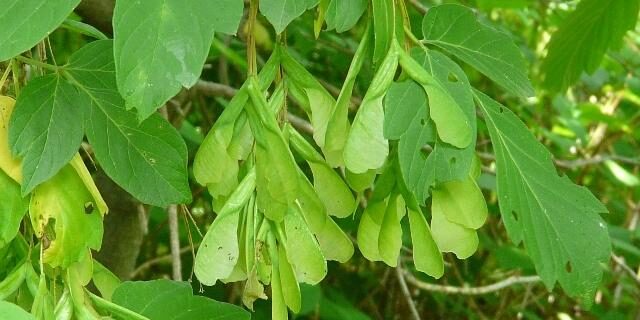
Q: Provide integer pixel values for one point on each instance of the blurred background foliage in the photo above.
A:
(590, 129)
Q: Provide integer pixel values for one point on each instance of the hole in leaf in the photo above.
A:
(452, 161)
(88, 207)
(501, 109)
(452, 77)
(423, 154)
(423, 122)
(515, 215)
(49, 234)
(568, 267)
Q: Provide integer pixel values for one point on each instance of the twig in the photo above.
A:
(174, 239)
(406, 293)
(419, 6)
(573, 164)
(214, 89)
(620, 262)
(162, 259)
(513, 280)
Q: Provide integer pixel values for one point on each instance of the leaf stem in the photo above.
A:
(251, 38)
(37, 63)
(413, 39)
(5, 74)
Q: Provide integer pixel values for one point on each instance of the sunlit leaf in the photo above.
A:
(26, 22)
(152, 69)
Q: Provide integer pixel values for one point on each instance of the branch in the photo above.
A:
(513, 280)
(174, 239)
(162, 259)
(578, 163)
(406, 293)
(419, 6)
(620, 262)
(214, 89)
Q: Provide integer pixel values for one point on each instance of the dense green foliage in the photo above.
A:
(315, 149)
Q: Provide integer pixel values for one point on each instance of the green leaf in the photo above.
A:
(338, 125)
(455, 29)
(449, 236)
(334, 242)
(12, 209)
(311, 206)
(453, 162)
(333, 191)
(227, 16)
(329, 186)
(407, 119)
(278, 304)
(383, 28)
(11, 311)
(452, 124)
(104, 280)
(342, 15)
(281, 12)
(276, 169)
(369, 229)
(417, 169)
(46, 128)
(390, 237)
(159, 47)
(171, 300)
(405, 101)
(316, 99)
(584, 37)
(558, 221)
(303, 251)
(426, 255)
(147, 159)
(225, 143)
(366, 148)
(219, 251)
(462, 202)
(27, 22)
(59, 212)
(290, 286)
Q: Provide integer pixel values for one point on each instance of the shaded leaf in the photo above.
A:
(558, 221)
(147, 159)
(281, 12)
(342, 15)
(584, 37)
(46, 128)
(455, 29)
(171, 300)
